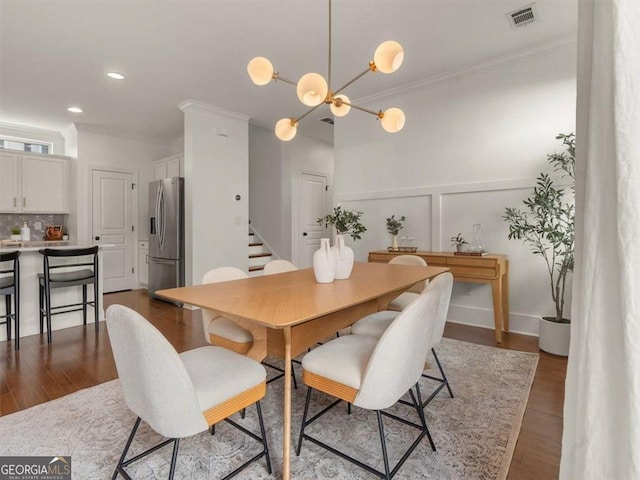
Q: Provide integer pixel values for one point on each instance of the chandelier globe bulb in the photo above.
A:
(312, 89)
(388, 56)
(392, 120)
(338, 107)
(286, 129)
(260, 70)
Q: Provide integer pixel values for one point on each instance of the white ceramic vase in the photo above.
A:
(344, 258)
(324, 262)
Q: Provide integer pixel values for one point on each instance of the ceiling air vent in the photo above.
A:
(327, 120)
(522, 16)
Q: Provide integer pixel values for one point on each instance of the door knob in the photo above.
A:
(304, 234)
(97, 237)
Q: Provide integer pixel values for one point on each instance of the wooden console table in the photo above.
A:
(493, 269)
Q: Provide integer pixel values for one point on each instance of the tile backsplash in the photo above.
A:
(8, 220)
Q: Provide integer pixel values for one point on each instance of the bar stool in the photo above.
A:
(49, 280)
(10, 285)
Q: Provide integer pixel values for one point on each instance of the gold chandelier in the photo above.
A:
(313, 90)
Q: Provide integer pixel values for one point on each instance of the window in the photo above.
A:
(25, 145)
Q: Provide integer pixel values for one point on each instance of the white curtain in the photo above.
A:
(601, 438)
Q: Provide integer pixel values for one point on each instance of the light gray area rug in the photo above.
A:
(475, 432)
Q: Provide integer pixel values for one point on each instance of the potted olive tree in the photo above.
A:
(547, 224)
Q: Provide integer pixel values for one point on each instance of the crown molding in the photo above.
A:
(486, 66)
(14, 128)
(198, 105)
(88, 127)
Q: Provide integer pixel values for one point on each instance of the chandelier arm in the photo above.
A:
(307, 113)
(378, 114)
(357, 77)
(276, 76)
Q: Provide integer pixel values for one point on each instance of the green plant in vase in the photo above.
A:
(346, 222)
(16, 233)
(459, 242)
(394, 225)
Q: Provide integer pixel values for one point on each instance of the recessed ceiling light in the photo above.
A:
(75, 109)
(115, 75)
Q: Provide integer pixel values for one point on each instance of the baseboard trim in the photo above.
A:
(483, 317)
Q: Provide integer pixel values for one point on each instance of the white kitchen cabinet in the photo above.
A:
(143, 263)
(31, 183)
(9, 186)
(169, 167)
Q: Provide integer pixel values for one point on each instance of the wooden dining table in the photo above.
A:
(289, 312)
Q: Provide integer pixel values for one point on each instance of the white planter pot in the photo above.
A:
(16, 237)
(554, 337)
(344, 258)
(324, 262)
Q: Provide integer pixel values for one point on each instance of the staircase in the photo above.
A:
(259, 255)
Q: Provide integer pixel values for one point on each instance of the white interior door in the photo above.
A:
(313, 205)
(113, 225)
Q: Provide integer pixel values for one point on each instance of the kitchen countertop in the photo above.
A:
(37, 245)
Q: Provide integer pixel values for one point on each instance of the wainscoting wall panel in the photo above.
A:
(436, 213)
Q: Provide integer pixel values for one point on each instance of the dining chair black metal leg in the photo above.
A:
(293, 376)
(84, 304)
(304, 421)
(96, 304)
(7, 304)
(126, 448)
(47, 301)
(444, 377)
(265, 445)
(174, 458)
(385, 458)
(16, 310)
(41, 304)
(420, 409)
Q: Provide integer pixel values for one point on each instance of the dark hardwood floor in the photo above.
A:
(79, 359)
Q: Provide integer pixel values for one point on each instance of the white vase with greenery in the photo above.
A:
(345, 222)
(394, 225)
(547, 226)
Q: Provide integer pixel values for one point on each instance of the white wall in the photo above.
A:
(216, 164)
(105, 149)
(274, 172)
(269, 191)
(472, 145)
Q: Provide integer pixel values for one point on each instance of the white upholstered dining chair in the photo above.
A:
(374, 325)
(404, 299)
(226, 333)
(219, 330)
(180, 395)
(374, 373)
(278, 266)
